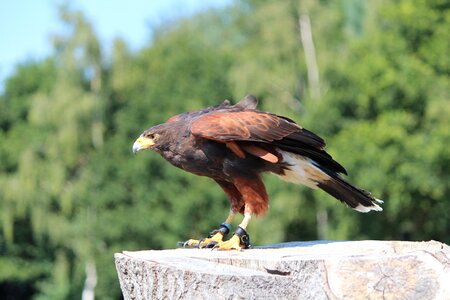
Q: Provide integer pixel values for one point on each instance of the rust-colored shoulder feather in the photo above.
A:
(249, 125)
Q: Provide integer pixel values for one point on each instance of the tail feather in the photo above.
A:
(356, 198)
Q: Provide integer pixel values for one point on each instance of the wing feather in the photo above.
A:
(242, 126)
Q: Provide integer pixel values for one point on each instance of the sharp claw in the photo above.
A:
(211, 244)
(201, 244)
(189, 244)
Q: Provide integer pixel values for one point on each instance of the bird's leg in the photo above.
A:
(215, 236)
(240, 239)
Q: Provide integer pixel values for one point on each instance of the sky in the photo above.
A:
(27, 25)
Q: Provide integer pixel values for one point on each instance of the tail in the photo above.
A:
(303, 170)
(356, 198)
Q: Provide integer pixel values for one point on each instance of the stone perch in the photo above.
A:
(297, 270)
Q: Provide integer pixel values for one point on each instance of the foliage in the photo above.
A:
(72, 193)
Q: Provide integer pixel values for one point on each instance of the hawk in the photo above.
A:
(234, 145)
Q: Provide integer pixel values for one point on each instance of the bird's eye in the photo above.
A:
(150, 136)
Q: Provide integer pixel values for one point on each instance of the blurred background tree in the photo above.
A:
(73, 195)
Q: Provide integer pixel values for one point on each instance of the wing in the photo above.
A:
(252, 126)
(255, 126)
(267, 132)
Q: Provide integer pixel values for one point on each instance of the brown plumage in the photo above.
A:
(234, 144)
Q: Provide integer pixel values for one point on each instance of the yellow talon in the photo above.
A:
(203, 243)
(232, 244)
(216, 239)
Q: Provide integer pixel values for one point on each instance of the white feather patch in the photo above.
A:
(365, 209)
(301, 170)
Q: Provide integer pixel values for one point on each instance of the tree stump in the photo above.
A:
(296, 270)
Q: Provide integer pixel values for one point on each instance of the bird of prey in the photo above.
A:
(234, 145)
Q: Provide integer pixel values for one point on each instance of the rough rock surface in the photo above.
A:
(297, 270)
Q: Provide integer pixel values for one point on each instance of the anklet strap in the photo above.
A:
(243, 237)
(224, 228)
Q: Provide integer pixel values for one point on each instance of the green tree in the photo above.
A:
(56, 108)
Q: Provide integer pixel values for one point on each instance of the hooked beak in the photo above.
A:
(142, 143)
